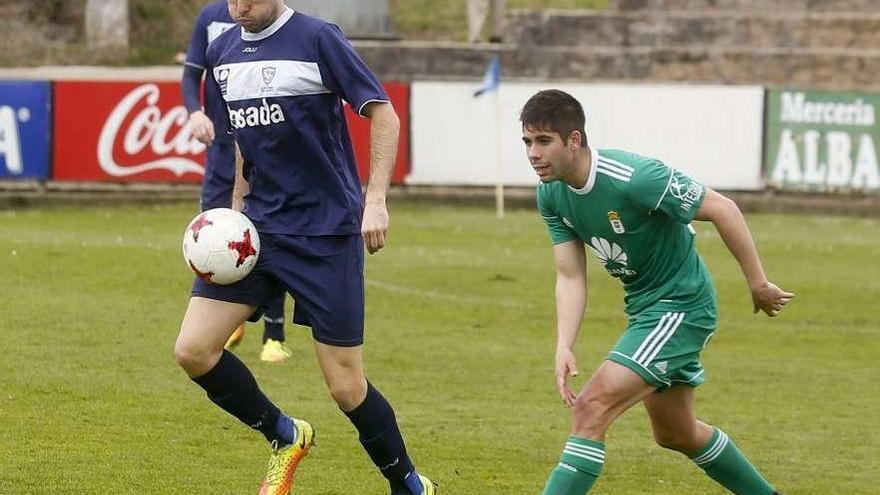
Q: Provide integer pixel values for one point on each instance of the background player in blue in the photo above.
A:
(209, 126)
(283, 76)
(634, 213)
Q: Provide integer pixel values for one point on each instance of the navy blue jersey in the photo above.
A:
(284, 88)
(213, 21)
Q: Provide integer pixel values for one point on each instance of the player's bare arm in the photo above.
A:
(241, 186)
(202, 127)
(384, 132)
(571, 304)
(728, 219)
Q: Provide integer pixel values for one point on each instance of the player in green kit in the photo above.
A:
(634, 214)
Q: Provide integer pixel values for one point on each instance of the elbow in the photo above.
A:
(728, 206)
(718, 207)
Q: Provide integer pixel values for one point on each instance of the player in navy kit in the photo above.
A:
(210, 127)
(283, 76)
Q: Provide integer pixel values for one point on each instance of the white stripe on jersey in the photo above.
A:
(611, 173)
(614, 169)
(626, 169)
(216, 28)
(267, 78)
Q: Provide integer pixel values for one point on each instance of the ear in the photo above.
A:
(574, 140)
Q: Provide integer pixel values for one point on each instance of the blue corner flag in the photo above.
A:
(492, 78)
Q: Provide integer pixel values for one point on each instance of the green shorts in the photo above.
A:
(663, 347)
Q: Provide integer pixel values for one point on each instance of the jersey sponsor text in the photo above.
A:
(254, 116)
(688, 193)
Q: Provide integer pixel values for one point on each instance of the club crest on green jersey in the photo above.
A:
(616, 224)
(612, 256)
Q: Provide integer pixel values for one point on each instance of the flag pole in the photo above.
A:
(491, 82)
(499, 167)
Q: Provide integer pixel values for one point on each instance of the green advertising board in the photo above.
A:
(822, 141)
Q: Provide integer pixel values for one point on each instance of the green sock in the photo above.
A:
(724, 463)
(578, 468)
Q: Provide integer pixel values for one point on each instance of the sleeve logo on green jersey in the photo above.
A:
(612, 256)
(682, 188)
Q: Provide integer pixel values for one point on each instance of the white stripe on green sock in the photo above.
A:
(577, 470)
(723, 462)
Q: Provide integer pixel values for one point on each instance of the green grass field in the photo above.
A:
(460, 337)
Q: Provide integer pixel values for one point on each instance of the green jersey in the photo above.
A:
(634, 214)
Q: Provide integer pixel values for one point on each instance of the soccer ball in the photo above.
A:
(221, 246)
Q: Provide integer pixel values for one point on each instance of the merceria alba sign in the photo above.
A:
(822, 141)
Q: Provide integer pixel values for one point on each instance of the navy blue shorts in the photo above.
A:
(324, 274)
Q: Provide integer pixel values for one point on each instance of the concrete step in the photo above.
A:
(695, 29)
(785, 6)
(814, 68)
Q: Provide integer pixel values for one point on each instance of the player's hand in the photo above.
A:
(375, 225)
(770, 299)
(202, 127)
(566, 366)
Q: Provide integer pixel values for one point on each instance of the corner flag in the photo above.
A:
(492, 78)
(491, 81)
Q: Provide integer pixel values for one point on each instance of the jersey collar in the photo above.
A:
(269, 31)
(591, 175)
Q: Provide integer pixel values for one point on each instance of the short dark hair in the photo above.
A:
(556, 111)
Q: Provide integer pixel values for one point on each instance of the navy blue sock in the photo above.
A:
(286, 429)
(273, 319)
(381, 438)
(231, 386)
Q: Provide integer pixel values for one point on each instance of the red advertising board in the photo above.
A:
(360, 134)
(123, 132)
(137, 132)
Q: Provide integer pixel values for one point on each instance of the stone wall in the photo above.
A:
(696, 29)
(828, 69)
(750, 5)
(825, 44)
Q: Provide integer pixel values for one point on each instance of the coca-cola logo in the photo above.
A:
(151, 140)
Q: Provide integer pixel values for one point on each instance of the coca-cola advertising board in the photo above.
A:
(24, 130)
(124, 132)
(137, 132)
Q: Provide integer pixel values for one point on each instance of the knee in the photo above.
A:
(348, 393)
(675, 440)
(591, 416)
(194, 359)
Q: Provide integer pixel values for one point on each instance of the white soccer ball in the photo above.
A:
(221, 246)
